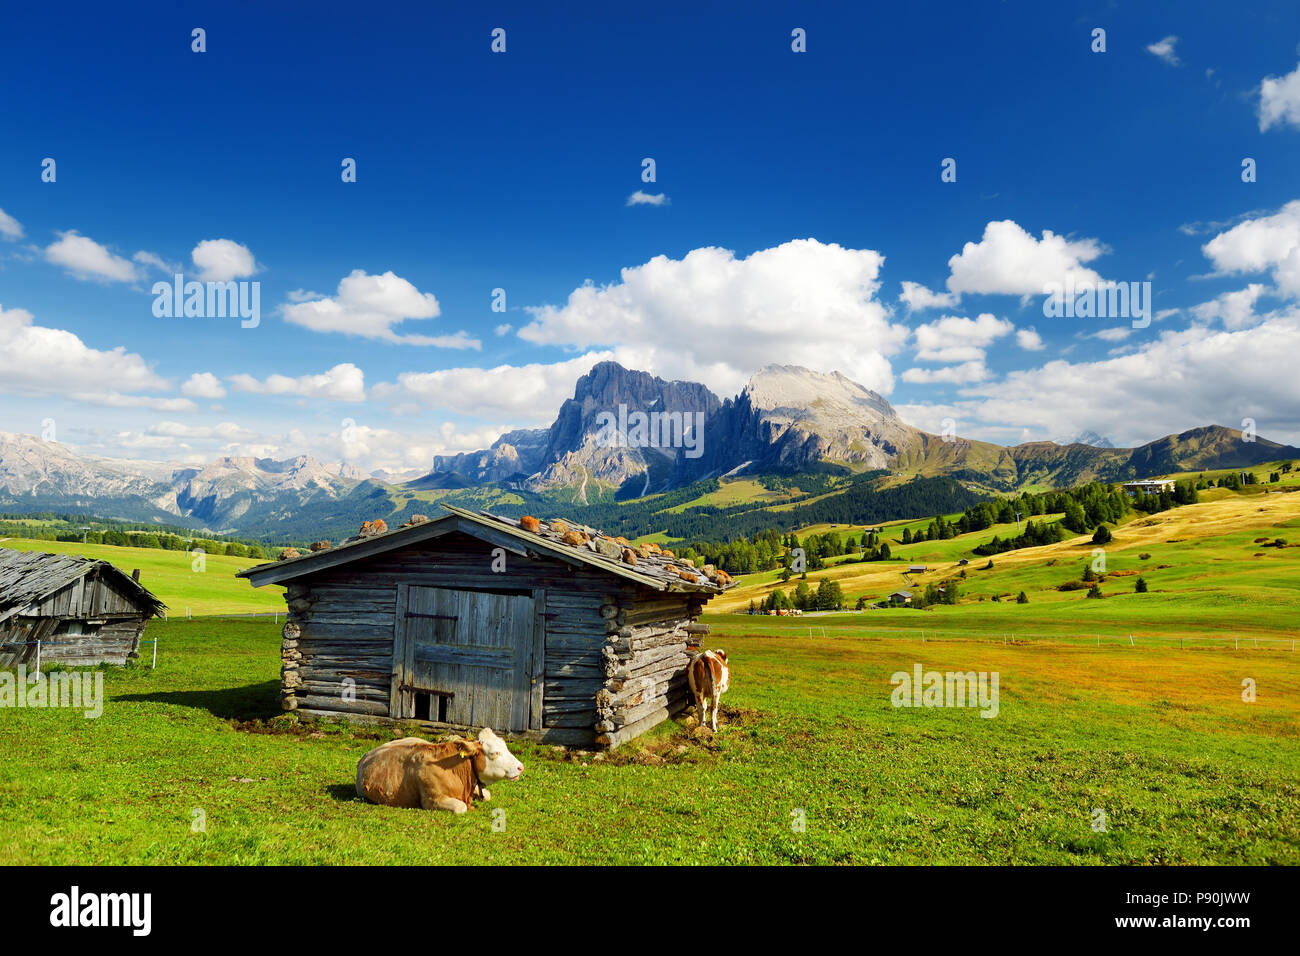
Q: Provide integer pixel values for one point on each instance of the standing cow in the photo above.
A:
(445, 776)
(709, 677)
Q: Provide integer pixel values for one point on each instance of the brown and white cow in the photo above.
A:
(709, 677)
(444, 776)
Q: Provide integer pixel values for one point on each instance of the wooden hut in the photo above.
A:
(545, 629)
(80, 611)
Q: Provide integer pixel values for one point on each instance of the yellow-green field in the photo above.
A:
(1186, 740)
(172, 575)
(1208, 577)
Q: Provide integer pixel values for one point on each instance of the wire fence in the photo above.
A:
(1135, 639)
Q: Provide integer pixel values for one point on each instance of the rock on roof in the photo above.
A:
(28, 576)
(648, 564)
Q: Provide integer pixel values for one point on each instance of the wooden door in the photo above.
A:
(471, 652)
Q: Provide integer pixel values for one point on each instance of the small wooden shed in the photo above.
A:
(81, 611)
(545, 629)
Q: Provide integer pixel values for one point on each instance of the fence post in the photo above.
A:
(154, 665)
(1130, 641)
(38, 659)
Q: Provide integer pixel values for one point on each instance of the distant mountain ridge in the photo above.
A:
(787, 419)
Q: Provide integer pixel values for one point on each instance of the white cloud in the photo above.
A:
(1279, 100)
(713, 318)
(956, 339)
(962, 374)
(1029, 340)
(502, 329)
(1164, 49)
(10, 227)
(87, 259)
(1116, 333)
(640, 198)
(223, 431)
(221, 260)
(344, 382)
(1196, 376)
(1009, 261)
(157, 262)
(118, 400)
(524, 393)
(203, 385)
(35, 360)
(1264, 243)
(1235, 309)
(917, 297)
(369, 306)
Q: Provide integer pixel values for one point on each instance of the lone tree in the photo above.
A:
(1141, 586)
(1022, 598)
(1102, 535)
(1094, 592)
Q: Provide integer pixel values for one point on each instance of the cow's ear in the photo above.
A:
(722, 654)
(469, 748)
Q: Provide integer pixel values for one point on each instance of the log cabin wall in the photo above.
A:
(613, 653)
(88, 621)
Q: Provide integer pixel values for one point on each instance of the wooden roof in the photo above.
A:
(653, 568)
(27, 577)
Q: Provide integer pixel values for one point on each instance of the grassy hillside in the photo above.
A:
(1158, 739)
(1212, 569)
(171, 576)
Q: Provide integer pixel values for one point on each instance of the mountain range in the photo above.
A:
(623, 434)
(791, 419)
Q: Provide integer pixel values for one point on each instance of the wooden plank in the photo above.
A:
(396, 704)
(537, 668)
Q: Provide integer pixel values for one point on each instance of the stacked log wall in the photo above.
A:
(645, 659)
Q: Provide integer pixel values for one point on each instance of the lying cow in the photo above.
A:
(446, 776)
(709, 678)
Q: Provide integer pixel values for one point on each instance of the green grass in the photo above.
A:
(1158, 738)
(171, 576)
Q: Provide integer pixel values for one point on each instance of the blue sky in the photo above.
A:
(800, 191)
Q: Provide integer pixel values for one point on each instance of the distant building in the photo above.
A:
(963, 562)
(1150, 486)
(76, 611)
(916, 569)
(901, 597)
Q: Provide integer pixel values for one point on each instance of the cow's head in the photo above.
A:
(720, 654)
(498, 762)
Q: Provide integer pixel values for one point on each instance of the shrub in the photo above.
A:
(1095, 592)
(1144, 556)
(1022, 598)
(1102, 535)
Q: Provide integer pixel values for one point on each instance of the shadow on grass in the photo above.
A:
(251, 702)
(344, 792)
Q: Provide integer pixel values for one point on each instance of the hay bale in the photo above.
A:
(529, 523)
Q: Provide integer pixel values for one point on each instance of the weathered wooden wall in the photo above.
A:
(615, 652)
(84, 602)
